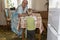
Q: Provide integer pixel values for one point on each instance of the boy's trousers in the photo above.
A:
(30, 34)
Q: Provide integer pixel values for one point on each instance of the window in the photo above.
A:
(29, 3)
(58, 3)
(15, 3)
(54, 3)
(10, 3)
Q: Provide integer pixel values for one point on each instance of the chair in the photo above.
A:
(7, 18)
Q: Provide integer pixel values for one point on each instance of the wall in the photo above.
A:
(39, 5)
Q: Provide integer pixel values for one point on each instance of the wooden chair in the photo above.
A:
(38, 35)
(8, 20)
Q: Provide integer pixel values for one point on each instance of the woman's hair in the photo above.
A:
(25, 1)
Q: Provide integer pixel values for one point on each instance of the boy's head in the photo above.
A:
(29, 12)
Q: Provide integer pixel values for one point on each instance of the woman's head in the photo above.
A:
(24, 3)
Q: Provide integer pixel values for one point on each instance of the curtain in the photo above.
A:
(2, 15)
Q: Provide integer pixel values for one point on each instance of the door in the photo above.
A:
(51, 34)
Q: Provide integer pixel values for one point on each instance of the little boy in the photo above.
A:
(30, 25)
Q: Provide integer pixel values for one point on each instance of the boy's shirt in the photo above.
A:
(30, 22)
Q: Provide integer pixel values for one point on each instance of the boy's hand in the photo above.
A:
(41, 29)
(18, 15)
(22, 15)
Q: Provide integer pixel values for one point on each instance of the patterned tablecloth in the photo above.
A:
(15, 22)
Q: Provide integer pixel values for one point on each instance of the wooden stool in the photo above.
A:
(23, 34)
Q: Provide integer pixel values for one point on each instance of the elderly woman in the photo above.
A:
(21, 10)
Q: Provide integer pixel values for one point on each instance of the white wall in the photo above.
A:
(39, 5)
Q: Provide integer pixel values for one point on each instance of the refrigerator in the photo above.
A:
(53, 30)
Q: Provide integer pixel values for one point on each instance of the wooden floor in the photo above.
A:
(7, 34)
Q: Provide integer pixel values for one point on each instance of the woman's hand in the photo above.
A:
(18, 15)
(19, 27)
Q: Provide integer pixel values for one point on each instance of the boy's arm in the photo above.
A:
(41, 25)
